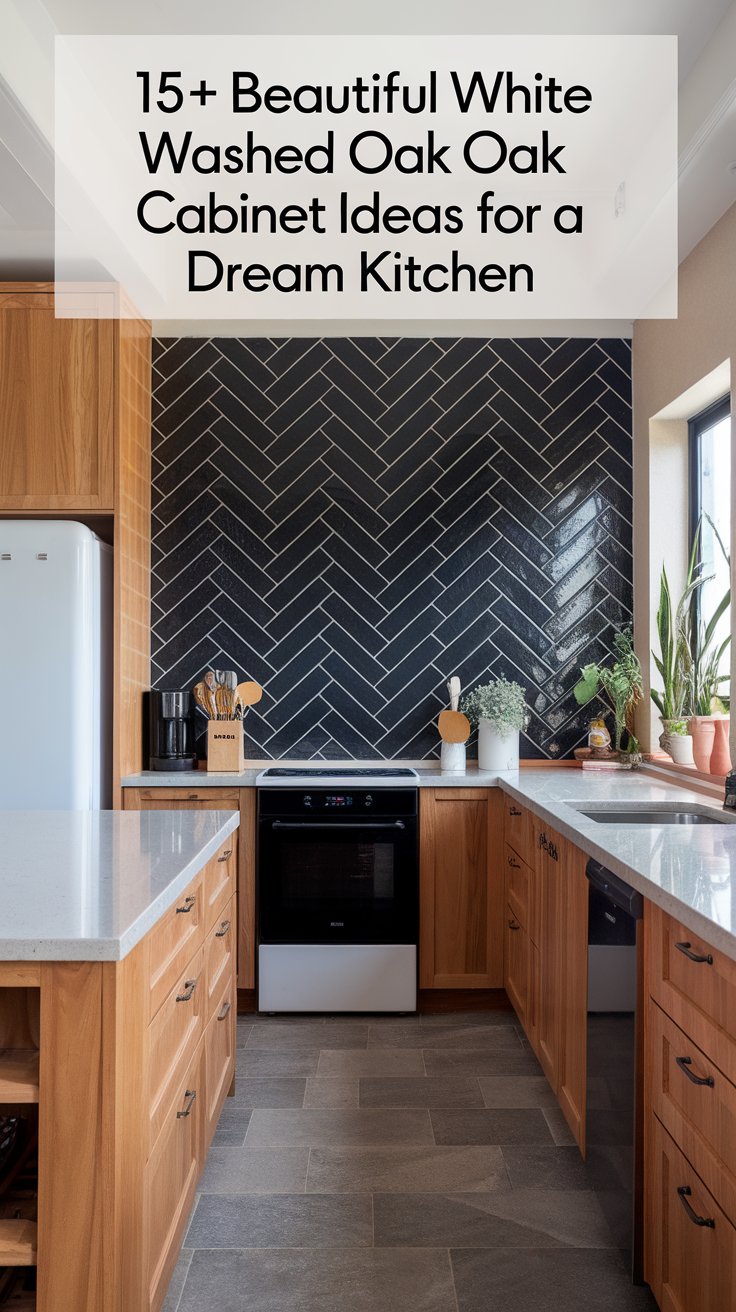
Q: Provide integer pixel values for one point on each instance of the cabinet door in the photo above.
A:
(56, 407)
(551, 954)
(516, 965)
(170, 1183)
(574, 989)
(461, 888)
(219, 1050)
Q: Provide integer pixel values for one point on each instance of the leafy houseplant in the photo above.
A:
(499, 711)
(620, 683)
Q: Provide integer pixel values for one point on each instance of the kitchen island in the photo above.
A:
(117, 1015)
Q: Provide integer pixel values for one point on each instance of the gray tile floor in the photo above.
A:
(427, 1155)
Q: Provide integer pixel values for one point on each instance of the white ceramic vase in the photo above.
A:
(452, 758)
(677, 745)
(497, 751)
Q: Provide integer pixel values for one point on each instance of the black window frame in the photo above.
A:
(697, 425)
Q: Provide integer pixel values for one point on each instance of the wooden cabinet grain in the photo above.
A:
(218, 799)
(461, 888)
(517, 964)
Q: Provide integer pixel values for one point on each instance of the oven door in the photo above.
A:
(330, 880)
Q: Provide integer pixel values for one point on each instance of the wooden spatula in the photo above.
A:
(248, 693)
(454, 727)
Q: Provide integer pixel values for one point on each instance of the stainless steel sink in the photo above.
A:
(654, 815)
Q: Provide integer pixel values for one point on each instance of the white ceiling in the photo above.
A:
(706, 31)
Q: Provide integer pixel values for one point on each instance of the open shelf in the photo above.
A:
(17, 1243)
(18, 1075)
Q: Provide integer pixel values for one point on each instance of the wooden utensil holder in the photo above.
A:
(226, 746)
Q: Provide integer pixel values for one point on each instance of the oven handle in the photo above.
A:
(337, 824)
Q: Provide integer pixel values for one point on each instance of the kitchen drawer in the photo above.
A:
(696, 1104)
(519, 882)
(176, 799)
(690, 1244)
(220, 957)
(517, 828)
(174, 940)
(170, 1182)
(172, 1038)
(688, 977)
(220, 880)
(219, 1054)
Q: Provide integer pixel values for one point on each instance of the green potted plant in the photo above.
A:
(702, 659)
(499, 711)
(619, 683)
(671, 663)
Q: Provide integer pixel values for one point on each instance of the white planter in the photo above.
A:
(452, 758)
(497, 751)
(680, 748)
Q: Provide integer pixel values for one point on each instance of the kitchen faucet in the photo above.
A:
(729, 802)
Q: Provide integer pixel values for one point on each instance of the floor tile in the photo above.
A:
(242, 1031)
(173, 1294)
(300, 1061)
(346, 1126)
(518, 1218)
(405, 1170)
(496, 1016)
(308, 1035)
(278, 1091)
(516, 1091)
(231, 1127)
(499, 1125)
(438, 1091)
(285, 1280)
(252, 1171)
(372, 1061)
(558, 1126)
(486, 1037)
(331, 1091)
(545, 1281)
(545, 1168)
(479, 1061)
(282, 1221)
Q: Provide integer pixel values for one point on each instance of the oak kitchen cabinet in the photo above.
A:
(128, 1063)
(218, 799)
(461, 888)
(75, 442)
(690, 1118)
(546, 952)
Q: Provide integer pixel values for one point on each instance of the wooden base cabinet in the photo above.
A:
(218, 799)
(546, 957)
(461, 897)
(130, 1070)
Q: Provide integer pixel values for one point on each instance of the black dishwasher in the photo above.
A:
(614, 1122)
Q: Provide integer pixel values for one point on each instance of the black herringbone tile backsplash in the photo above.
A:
(349, 522)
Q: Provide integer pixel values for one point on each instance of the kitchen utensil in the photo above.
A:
(202, 697)
(247, 694)
(453, 687)
(452, 758)
(210, 683)
(454, 727)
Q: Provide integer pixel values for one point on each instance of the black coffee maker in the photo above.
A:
(171, 730)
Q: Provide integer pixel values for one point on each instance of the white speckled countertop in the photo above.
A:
(690, 871)
(87, 885)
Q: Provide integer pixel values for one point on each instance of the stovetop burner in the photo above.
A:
(283, 776)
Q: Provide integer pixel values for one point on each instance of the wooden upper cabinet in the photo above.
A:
(56, 406)
(461, 888)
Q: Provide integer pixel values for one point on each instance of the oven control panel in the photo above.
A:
(357, 801)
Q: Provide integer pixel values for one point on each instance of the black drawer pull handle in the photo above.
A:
(186, 908)
(225, 855)
(514, 810)
(684, 1192)
(701, 960)
(543, 841)
(223, 1011)
(224, 927)
(189, 985)
(685, 1063)
(191, 1094)
(192, 797)
(514, 925)
(515, 864)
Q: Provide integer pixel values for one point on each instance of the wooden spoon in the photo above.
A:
(247, 694)
(201, 696)
(454, 727)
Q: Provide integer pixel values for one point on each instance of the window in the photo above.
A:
(710, 504)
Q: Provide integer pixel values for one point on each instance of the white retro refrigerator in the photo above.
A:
(55, 666)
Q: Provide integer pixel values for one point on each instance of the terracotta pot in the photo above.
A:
(703, 731)
(720, 758)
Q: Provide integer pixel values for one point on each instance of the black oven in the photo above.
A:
(338, 866)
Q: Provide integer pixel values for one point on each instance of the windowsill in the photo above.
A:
(687, 776)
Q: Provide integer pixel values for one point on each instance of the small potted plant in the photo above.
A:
(499, 711)
(672, 663)
(702, 658)
(619, 683)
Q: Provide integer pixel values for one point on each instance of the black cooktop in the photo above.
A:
(327, 773)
